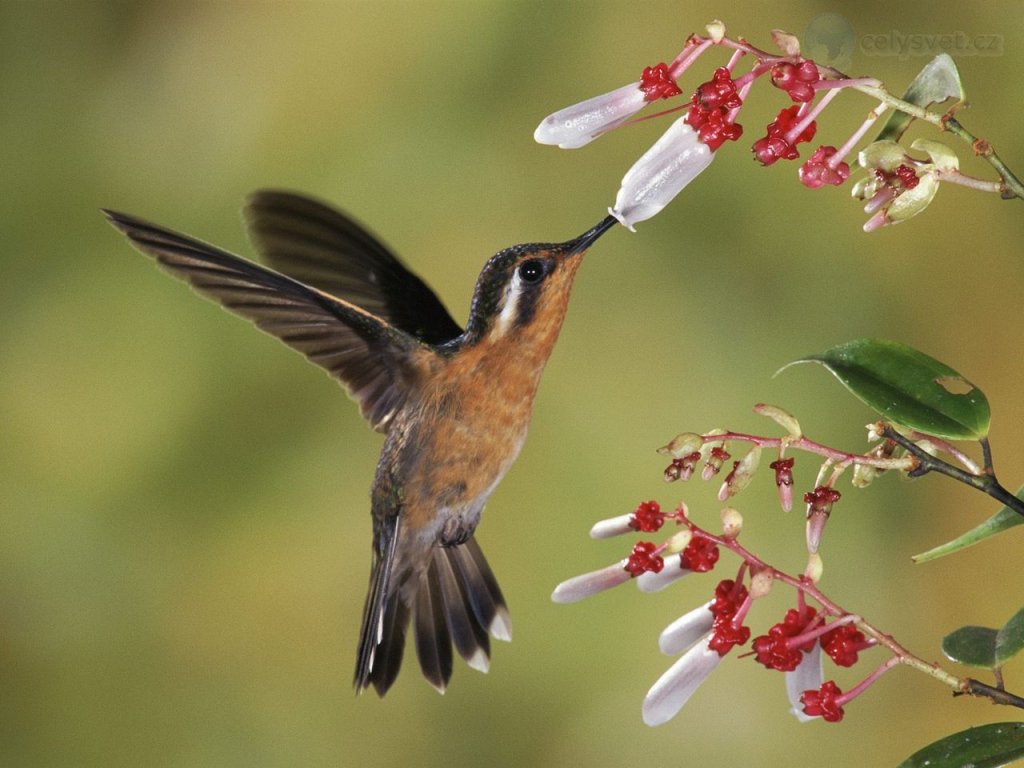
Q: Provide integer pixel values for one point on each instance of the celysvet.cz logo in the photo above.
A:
(904, 45)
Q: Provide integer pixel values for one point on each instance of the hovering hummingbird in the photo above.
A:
(453, 404)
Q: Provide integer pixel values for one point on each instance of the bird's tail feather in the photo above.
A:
(456, 601)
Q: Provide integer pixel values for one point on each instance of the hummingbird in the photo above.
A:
(453, 404)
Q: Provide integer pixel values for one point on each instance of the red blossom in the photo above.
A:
(843, 643)
(774, 652)
(647, 517)
(823, 702)
(822, 498)
(774, 145)
(657, 83)
(710, 107)
(777, 650)
(783, 471)
(729, 596)
(719, 92)
(818, 170)
(727, 635)
(907, 176)
(796, 79)
(700, 555)
(643, 559)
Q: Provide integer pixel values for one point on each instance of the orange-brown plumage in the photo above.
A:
(454, 404)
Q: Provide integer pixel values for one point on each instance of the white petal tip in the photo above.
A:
(678, 684)
(501, 627)
(479, 661)
(613, 526)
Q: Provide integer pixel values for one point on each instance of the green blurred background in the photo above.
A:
(184, 539)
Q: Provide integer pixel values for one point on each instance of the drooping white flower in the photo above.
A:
(578, 125)
(660, 174)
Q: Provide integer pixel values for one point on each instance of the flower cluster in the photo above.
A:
(686, 149)
(796, 644)
(797, 80)
(899, 186)
(784, 133)
(711, 109)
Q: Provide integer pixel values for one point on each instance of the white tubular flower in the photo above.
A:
(686, 630)
(670, 574)
(808, 676)
(656, 178)
(678, 684)
(578, 125)
(579, 587)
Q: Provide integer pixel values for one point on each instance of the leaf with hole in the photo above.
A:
(908, 388)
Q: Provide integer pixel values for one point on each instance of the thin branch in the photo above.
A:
(986, 483)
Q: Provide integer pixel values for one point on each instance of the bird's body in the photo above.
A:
(454, 404)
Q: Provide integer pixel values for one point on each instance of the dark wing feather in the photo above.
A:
(372, 359)
(323, 247)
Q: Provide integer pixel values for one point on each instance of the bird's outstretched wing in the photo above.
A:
(377, 363)
(323, 247)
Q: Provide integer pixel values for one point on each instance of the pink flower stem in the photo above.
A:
(744, 81)
(864, 684)
(734, 60)
(820, 630)
(844, 150)
(797, 129)
(688, 55)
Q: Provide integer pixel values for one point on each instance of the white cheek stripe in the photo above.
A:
(509, 311)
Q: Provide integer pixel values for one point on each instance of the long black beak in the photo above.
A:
(584, 241)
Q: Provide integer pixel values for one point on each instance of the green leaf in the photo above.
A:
(938, 81)
(987, 746)
(1010, 640)
(999, 522)
(908, 388)
(972, 646)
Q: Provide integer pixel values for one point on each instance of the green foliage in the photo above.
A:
(938, 81)
(908, 388)
(984, 646)
(971, 646)
(1002, 520)
(987, 746)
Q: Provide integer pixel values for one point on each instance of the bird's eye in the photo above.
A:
(531, 271)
